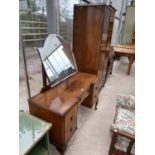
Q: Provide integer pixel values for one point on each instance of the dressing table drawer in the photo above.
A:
(70, 123)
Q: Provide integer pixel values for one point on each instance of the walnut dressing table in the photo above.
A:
(58, 104)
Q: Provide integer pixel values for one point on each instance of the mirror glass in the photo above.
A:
(57, 58)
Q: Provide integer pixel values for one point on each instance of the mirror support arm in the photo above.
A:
(44, 76)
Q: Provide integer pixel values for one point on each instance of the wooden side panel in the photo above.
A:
(92, 38)
(86, 37)
(111, 53)
(105, 42)
(56, 133)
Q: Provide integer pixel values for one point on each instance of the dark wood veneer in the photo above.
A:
(59, 105)
(91, 44)
(93, 25)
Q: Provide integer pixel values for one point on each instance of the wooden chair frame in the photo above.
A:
(113, 150)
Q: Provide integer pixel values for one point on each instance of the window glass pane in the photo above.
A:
(66, 18)
(33, 19)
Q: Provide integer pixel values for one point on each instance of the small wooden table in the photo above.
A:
(33, 135)
(126, 50)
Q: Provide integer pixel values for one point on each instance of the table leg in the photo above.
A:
(62, 150)
(131, 59)
(96, 104)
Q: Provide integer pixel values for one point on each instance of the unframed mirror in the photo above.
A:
(57, 58)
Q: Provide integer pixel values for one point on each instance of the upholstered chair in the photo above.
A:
(123, 127)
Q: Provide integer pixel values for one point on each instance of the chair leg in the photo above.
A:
(131, 59)
(130, 147)
(112, 145)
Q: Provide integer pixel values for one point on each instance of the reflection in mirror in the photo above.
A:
(57, 58)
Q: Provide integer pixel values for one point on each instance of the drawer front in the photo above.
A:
(70, 123)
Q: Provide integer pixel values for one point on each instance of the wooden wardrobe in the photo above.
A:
(92, 32)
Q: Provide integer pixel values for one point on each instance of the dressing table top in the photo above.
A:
(62, 97)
